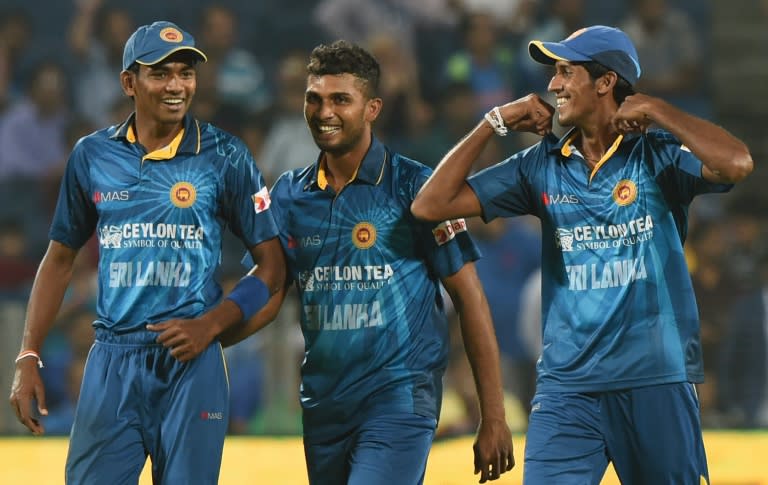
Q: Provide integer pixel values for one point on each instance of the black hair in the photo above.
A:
(342, 57)
(622, 89)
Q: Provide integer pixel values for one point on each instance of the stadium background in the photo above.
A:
(731, 75)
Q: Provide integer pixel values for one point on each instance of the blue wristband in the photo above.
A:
(250, 294)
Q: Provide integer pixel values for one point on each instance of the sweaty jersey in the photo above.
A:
(159, 218)
(618, 305)
(367, 273)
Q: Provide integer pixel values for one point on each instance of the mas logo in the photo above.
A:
(363, 235)
(625, 192)
(169, 34)
(183, 195)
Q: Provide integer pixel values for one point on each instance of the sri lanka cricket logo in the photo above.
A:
(363, 235)
(183, 195)
(625, 192)
(169, 34)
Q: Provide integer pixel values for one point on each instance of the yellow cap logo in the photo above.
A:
(363, 235)
(169, 34)
(183, 195)
(625, 192)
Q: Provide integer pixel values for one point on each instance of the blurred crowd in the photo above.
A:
(444, 64)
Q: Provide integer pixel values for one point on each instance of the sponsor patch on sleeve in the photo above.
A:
(261, 200)
(447, 230)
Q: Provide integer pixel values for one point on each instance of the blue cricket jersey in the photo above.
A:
(367, 273)
(618, 305)
(159, 218)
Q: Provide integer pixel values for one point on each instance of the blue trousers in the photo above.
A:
(652, 435)
(383, 450)
(138, 401)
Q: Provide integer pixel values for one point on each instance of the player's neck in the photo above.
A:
(153, 135)
(341, 168)
(593, 143)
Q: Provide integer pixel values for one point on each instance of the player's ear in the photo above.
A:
(372, 109)
(606, 82)
(127, 82)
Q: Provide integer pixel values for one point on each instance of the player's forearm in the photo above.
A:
(244, 329)
(483, 354)
(255, 290)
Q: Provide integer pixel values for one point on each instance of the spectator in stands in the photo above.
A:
(96, 37)
(559, 18)
(512, 16)
(744, 357)
(287, 144)
(15, 31)
(715, 291)
(32, 130)
(358, 20)
(17, 269)
(669, 48)
(233, 73)
(406, 113)
(455, 115)
(483, 62)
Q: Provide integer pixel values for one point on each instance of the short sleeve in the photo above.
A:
(247, 204)
(75, 216)
(447, 244)
(504, 189)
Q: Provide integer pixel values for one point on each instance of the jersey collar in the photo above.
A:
(370, 171)
(566, 149)
(187, 141)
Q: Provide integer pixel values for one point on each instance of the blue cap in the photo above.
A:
(608, 46)
(151, 44)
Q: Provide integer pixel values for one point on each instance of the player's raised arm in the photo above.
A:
(726, 158)
(446, 194)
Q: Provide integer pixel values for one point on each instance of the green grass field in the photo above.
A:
(734, 459)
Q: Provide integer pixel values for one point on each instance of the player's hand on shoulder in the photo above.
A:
(493, 450)
(531, 113)
(185, 338)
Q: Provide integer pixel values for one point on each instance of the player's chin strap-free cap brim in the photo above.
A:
(551, 52)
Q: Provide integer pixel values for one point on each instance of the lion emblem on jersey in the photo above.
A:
(564, 239)
(110, 237)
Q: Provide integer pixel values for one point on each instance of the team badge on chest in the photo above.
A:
(625, 192)
(183, 195)
(363, 235)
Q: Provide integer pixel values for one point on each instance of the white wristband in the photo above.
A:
(497, 122)
(30, 353)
